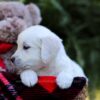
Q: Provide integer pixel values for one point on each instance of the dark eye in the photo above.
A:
(26, 47)
(21, 17)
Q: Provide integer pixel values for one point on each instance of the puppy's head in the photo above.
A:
(37, 47)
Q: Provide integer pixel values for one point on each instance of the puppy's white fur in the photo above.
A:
(41, 53)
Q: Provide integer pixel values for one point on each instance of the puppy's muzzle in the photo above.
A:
(12, 59)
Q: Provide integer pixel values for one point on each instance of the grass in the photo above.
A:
(97, 95)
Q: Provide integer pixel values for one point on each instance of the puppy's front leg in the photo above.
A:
(64, 80)
(29, 77)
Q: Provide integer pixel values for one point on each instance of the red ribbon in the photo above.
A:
(5, 47)
(2, 65)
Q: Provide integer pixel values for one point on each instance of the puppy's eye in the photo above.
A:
(26, 47)
(21, 17)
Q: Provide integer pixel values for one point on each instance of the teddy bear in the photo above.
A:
(14, 18)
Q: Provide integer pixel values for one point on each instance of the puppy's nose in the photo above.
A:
(13, 59)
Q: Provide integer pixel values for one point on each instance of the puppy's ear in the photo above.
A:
(50, 48)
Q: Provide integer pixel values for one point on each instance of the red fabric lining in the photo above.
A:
(2, 65)
(48, 83)
(5, 47)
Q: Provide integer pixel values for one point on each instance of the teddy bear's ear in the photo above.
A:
(34, 13)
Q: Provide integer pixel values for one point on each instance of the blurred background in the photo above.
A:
(77, 22)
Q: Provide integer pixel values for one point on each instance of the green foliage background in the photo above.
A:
(77, 22)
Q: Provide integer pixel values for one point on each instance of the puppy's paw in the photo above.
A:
(64, 80)
(29, 78)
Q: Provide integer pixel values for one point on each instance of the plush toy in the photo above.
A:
(14, 18)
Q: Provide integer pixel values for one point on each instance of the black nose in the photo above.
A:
(12, 59)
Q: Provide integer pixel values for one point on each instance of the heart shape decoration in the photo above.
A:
(48, 83)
